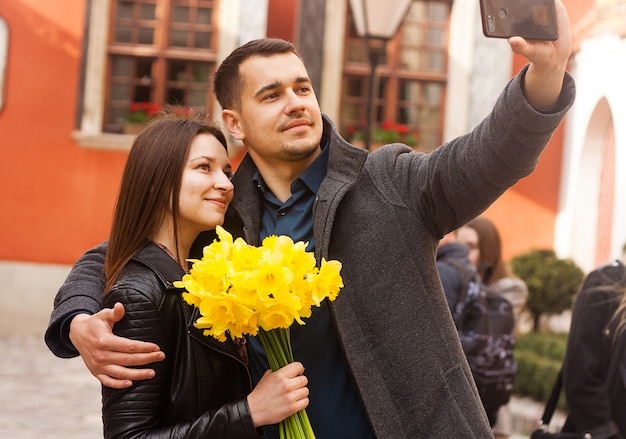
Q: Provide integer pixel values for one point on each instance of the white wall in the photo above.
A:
(599, 70)
(27, 293)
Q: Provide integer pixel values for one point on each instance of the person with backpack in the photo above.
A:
(452, 262)
(502, 293)
(594, 368)
(485, 252)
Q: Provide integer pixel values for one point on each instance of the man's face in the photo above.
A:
(279, 119)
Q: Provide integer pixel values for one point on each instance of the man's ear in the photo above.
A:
(230, 119)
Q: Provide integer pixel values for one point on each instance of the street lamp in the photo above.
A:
(376, 21)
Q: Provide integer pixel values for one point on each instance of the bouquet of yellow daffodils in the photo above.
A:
(242, 289)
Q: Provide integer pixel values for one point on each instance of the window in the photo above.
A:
(159, 51)
(411, 79)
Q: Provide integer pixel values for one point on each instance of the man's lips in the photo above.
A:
(297, 123)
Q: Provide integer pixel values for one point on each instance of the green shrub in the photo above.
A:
(545, 344)
(552, 282)
(539, 358)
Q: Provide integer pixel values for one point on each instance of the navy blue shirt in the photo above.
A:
(335, 410)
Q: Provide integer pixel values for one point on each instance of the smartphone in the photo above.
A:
(531, 19)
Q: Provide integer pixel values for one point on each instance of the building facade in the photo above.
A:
(69, 69)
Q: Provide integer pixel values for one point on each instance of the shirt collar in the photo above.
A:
(312, 176)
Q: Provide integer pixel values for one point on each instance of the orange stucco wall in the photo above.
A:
(278, 23)
(56, 196)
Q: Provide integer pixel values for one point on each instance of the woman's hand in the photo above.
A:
(278, 395)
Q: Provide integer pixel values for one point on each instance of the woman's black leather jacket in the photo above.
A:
(199, 389)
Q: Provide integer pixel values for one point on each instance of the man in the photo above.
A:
(384, 359)
(455, 269)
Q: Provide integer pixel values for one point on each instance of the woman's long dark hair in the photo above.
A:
(150, 185)
(491, 266)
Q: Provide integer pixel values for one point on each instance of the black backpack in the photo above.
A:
(486, 326)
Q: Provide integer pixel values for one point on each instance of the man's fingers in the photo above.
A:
(132, 347)
(118, 312)
(113, 382)
(121, 377)
(135, 359)
(107, 342)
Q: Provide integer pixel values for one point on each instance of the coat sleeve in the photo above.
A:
(584, 368)
(460, 179)
(139, 411)
(80, 293)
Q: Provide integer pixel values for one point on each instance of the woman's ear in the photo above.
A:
(230, 119)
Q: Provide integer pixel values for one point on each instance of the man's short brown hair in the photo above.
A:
(227, 83)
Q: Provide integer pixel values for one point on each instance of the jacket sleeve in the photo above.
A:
(138, 411)
(80, 293)
(584, 368)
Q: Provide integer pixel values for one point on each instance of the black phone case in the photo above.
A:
(531, 19)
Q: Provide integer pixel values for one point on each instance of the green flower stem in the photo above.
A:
(277, 345)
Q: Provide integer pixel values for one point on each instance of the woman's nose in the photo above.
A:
(224, 183)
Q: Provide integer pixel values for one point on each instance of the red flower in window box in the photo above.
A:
(142, 112)
(385, 133)
(389, 132)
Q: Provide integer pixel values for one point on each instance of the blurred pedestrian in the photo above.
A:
(485, 251)
(455, 270)
(483, 240)
(594, 370)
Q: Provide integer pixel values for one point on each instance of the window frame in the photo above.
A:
(390, 72)
(95, 82)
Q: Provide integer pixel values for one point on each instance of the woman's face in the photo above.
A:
(206, 189)
(469, 237)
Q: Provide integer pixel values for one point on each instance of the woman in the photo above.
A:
(175, 185)
(485, 252)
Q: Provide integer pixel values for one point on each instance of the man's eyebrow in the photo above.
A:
(277, 84)
(266, 88)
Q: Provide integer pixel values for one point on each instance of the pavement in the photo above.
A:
(45, 397)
